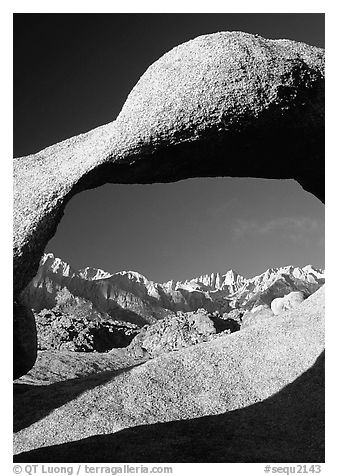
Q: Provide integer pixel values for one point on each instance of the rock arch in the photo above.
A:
(224, 104)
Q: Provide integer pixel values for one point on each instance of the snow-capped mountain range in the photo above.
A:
(130, 296)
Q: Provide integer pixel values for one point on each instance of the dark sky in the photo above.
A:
(73, 72)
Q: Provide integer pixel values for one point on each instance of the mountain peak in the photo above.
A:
(231, 273)
(133, 275)
(131, 297)
(92, 274)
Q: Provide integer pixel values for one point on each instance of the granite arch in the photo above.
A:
(225, 104)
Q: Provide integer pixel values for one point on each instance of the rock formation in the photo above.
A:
(218, 97)
(93, 310)
(127, 296)
(256, 315)
(25, 339)
(229, 373)
(76, 325)
(289, 301)
(173, 333)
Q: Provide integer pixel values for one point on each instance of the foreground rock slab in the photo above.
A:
(251, 434)
(268, 364)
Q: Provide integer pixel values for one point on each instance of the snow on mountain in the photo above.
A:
(130, 296)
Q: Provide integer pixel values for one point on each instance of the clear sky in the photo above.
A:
(73, 73)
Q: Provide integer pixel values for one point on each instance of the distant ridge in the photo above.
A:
(130, 296)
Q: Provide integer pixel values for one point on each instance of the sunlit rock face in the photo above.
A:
(222, 93)
(200, 105)
(173, 334)
(131, 297)
(232, 372)
(289, 301)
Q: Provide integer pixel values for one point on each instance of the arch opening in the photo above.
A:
(136, 254)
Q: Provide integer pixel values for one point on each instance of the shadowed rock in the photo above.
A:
(288, 426)
(210, 378)
(25, 340)
(214, 106)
